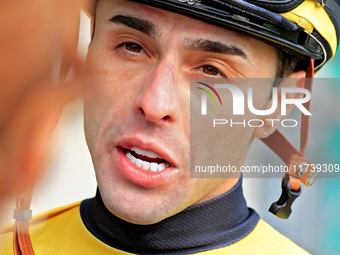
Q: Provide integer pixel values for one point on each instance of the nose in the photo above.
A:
(159, 99)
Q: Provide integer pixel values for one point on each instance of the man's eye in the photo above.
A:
(210, 70)
(133, 47)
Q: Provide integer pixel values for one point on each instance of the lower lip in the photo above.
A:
(140, 176)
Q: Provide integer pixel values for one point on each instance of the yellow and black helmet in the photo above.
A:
(303, 28)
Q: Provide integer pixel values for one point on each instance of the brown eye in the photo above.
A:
(134, 47)
(210, 70)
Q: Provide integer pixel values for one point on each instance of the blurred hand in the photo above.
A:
(37, 48)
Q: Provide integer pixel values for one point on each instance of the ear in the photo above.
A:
(272, 121)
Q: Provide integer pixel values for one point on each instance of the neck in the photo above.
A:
(209, 225)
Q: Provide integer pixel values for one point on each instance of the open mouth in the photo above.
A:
(146, 160)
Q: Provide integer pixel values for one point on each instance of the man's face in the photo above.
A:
(143, 60)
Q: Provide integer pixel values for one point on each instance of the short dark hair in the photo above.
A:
(286, 64)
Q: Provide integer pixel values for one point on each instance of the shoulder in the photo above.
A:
(43, 217)
(262, 240)
(51, 220)
(59, 231)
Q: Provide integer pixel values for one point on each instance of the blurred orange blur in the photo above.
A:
(38, 46)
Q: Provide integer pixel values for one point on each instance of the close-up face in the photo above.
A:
(143, 59)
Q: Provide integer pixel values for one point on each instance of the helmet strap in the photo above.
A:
(298, 167)
(22, 214)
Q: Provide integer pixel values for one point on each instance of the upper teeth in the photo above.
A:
(155, 167)
(148, 154)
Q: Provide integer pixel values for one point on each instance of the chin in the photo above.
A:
(139, 216)
(137, 210)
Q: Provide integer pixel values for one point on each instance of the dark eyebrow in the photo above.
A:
(215, 47)
(144, 26)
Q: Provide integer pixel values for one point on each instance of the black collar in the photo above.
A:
(213, 224)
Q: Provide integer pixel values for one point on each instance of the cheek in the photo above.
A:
(92, 122)
(112, 80)
(106, 98)
(226, 143)
(115, 79)
(222, 144)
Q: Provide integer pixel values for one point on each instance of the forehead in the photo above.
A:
(173, 30)
(166, 21)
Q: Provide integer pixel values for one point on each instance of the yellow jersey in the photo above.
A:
(62, 231)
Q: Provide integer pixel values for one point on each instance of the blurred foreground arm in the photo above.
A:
(38, 46)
